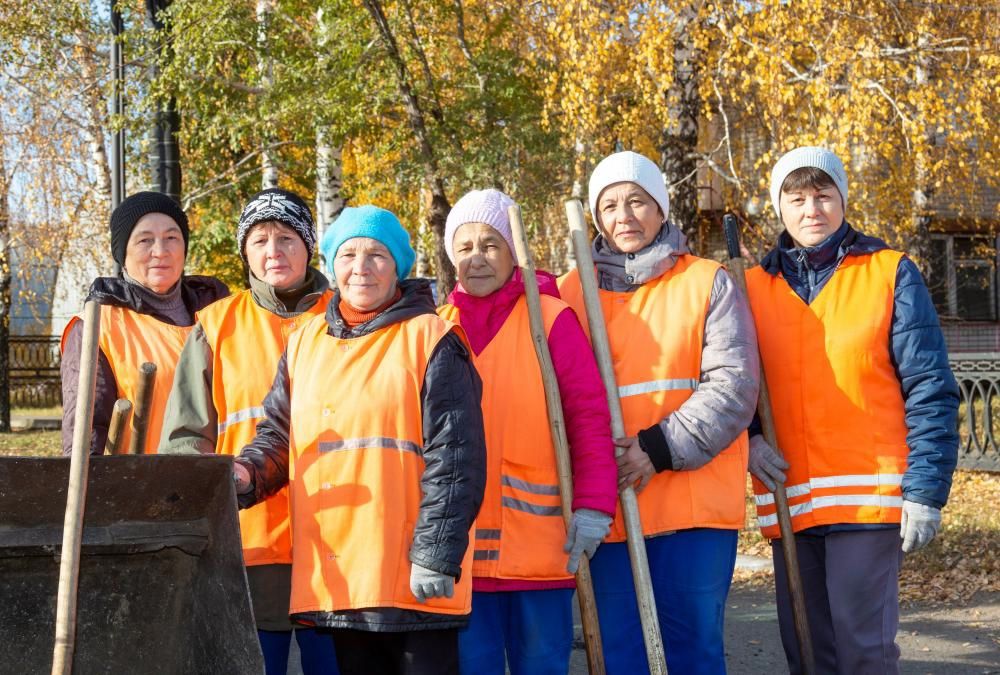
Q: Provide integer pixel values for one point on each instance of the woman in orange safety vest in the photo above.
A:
(224, 372)
(865, 409)
(146, 314)
(373, 420)
(685, 361)
(524, 557)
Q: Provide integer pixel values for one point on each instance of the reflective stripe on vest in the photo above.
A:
(245, 415)
(521, 506)
(355, 465)
(246, 342)
(656, 335)
(128, 339)
(838, 407)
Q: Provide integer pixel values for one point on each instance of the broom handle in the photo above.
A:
(116, 429)
(557, 427)
(737, 269)
(76, 495)
(144, 401)
(630, 506)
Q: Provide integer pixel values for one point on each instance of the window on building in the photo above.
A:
(963, 277)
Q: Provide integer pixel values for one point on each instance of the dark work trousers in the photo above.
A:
(419, 652)
(851, 585)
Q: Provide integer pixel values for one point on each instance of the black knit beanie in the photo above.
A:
(134, 207)
(279, 205)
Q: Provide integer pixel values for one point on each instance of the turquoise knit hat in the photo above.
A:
(374, 223)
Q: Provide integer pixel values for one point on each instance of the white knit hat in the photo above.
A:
(628, 167)
(479, 206)
(811, 156)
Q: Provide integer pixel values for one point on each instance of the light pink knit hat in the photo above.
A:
(479, 206)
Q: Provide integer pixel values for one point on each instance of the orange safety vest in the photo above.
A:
(128, 339)
(355, 466)
(838, 406)
(656, 335)
(519, 530)
(247, 341)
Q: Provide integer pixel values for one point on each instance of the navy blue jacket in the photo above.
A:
(917, 348)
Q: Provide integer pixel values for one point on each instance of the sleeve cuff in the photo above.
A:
(654, 443)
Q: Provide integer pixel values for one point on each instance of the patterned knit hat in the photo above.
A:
(132, 209)
(817, 158)
(373, 223)
(479, 206)
(282, 206)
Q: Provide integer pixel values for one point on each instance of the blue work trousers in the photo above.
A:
(530, 631)
(315, 650)
(691, 571)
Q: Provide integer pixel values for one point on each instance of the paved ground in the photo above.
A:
(934, 640)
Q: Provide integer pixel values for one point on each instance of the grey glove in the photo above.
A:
(587, 530)
(241, 479)
(919, 525)
(765, 464)
(426, 584)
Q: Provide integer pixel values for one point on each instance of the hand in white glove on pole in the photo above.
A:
(426, 584)
(587, 530)
(920, 524)
(766, 464)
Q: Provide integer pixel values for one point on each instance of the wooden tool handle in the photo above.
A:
(557, 426)
(737, 270)
(630, 505)
(76, 495)
(140, 417)
(116, 429)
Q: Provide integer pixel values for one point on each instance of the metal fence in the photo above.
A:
(34, 371)
(978, 376)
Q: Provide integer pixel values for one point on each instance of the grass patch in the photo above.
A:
(31, 444)
(964, 558)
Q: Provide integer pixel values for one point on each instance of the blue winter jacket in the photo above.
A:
(917, 348)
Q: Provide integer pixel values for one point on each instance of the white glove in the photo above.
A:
(919, 525)
(241, 479)
(587, 530)
(766, 464)
(426, 584)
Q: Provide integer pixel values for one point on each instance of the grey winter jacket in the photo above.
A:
(454, 453)
(724, 402)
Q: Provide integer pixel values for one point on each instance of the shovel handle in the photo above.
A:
(557, 427)
(116, 429)
(630, 506)
(140, 416)
(76, 495)
(737, 270)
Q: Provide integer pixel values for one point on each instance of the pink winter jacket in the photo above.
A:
(585, 409)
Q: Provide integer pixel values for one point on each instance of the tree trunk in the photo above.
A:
(95, 117)
(5, 295)
(680, 140)
(268, 167)
(164, 154)
(437, 214)
(919, 245)
(329, 180)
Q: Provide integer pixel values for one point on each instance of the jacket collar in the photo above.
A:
(417, 299)
(845, 241)
(197, 292)
(265, 295)
(627, 271)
